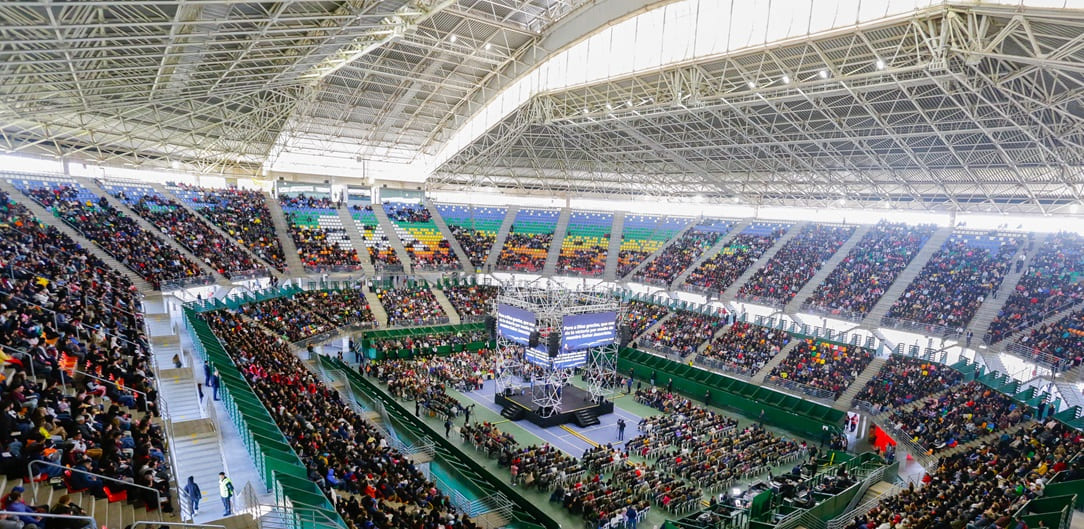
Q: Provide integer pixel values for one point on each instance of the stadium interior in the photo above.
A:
(542, 264)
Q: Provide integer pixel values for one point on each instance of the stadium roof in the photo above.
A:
(912, 103)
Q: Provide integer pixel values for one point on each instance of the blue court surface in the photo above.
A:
(562, 437)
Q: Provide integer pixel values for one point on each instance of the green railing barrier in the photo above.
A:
(798, 416)
(447, 452)
(1055, 512)
(276, 462)
(367, 338)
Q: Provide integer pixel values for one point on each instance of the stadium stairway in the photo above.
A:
(992, 305)
(379, 314)
(710, 253)
(357, 240)
(844, 401)
(147, 225)
(464, 259)
(810, 286)
(654, 255)
(502, 236)
(295, 268)
(164, 191)
(393, 237)
(1070, 393)
(178, 388)
(199, 455)
(47, 217)
(559, 232)
(732, 291)
(453, 316)
(614, 249)
(760, 376)
(873, 319)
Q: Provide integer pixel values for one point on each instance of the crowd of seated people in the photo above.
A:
(981, 488)
(678, 256)
(205, 243)
(306, 201)
(640, 315)
(150, 257)
(822, 366)
(719, 272)
(287, 316)
(1062, 339)
(316, 246)
(486, 437)
(682, 333)
(865, 274)
(338, 307)
(525, 252)
(61, 310)
(381, 253)
(903, 380)
(411, 306)
(952, 286)
(423, 254)
(339, 448)
(429, 342)
(472, 302)
(795, 263)
(1049, 284)
(961, 415)
(588, 261)
(242, 214)
(744, 348)
(476, 244)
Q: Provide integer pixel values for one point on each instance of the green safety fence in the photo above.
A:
(276, 462)
(793, 414)
(448, 453)
(368, 337)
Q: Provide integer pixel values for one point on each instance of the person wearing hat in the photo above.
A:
(225, 491)
(14, 503)
(194, 495)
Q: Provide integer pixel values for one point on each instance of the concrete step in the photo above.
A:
(826, 269)
(357, 240)
(464, 259)
(294, 266)
(732, 291)
(559, 232)
(379, 314)
(393, 237)
(654, 255)
(867, 374)
(933, 244)
(47, 217)
(502, 236)
(151, 228)
(453, 316)
(710, 253)
(614, 249)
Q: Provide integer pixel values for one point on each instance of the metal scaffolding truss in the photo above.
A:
(221, 86)
(965, 108)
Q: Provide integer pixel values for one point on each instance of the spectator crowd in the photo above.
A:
(682, 333)
(822, 367)
(959, 416)
(722, 270)
(744, 348)
(864, 275)
(472, 302)
(411, 306)
(525, 252)
(1062, 339)
(795, 263)
(244, 215)
(678, 256)
(903, 380)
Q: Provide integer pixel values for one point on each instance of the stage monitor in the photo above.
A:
(564, 360)
(514, 323)
(584, 331)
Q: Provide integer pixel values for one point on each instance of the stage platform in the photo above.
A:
(576, 406)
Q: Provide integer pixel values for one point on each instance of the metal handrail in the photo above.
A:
(146, 403)
(845, 519)
(50, 464)
(25, 353)
(88, 519)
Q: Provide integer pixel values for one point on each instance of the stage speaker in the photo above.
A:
(624, 336)
(554, 343)
(532, 340)
(491, 327)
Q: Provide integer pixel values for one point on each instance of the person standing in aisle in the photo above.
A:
(620, 429)
(215, 383)
(194, 495)
(225, 491)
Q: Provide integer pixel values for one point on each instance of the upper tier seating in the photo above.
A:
(795, 263)
(411, 306)
(865, 274)
(719, 272)
(528, 242)
(120, 236)
(241, 213)
(317, 230)
(474, 227)
(586, 244)
(683, 252)
(744, 348)
(381, 253)
(952, 286)
(427, 247)
(642, 235)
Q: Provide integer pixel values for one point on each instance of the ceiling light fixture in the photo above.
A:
(585, 110)
(880, 64)
(488, 46)
(629, 102)
(824, 74)
(453, 38)
(786, 79)
(752, 84)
